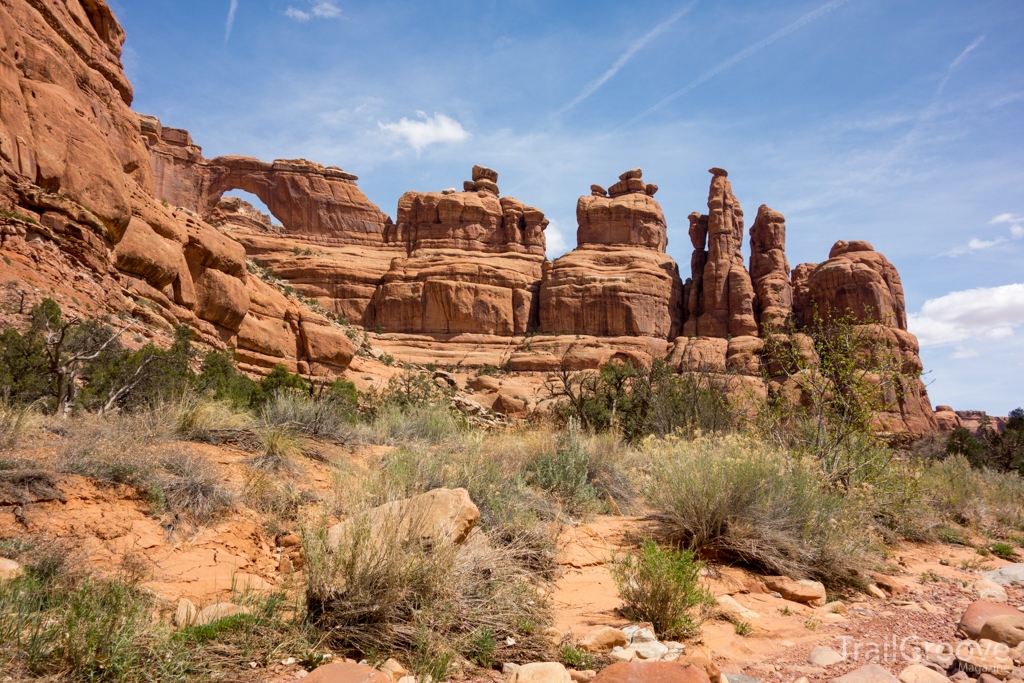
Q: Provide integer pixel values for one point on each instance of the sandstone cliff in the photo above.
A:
(80, 220)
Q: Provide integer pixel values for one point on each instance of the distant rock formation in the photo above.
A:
(619, 280)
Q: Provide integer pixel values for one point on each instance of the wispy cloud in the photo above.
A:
(1016, 224)
(431, 130)
(231, 20)
(984, 313)
(625, 57)
(322, 10)
(556, 242)
(756, 47)
(956, 62)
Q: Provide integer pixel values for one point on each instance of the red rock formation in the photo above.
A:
(769, 269)
(724, 289)
(78, 190)
(317, 203)
(618, 281)
(474, 263)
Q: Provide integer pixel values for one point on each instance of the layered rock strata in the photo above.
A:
(769, 270)
(80, 222)
(619, 280)
(474, 263)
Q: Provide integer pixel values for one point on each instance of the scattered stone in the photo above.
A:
(185, 614)
(984, 657)
(990, 590)
(289, 541)
(9, 569)
(553, 635)
(872, 673)
(639, 634)
(541, 672)
(346, 672)
(740, 678)
(652, 672)
(803, 679)
(1010, 575)
(508, 668)
(650, 649)
(440, 514)
(875, 592)
(701, 660)
(221, 610)
(1007, 629)
(603, 639)
(582, 676)
(980, 612)
(393, 669)
(987, 678)
(806, 591)
(824, 656)
(918, 673)
(732, 606)
(620, 654)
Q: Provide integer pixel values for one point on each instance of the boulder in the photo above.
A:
(603, 639)
(541, 672)
(978, 613)
(185, 614)
(1007, 629)
(872, 673)
(346, 672)
(1010, 575)
(157, 260)
(651, 649)
(990, 590)
(806, 591)
(825, 657)
(220, 298)
(324, 343)
(917, 673)
(984, 657)
(701, 660)
(441, 515)
(652, 672)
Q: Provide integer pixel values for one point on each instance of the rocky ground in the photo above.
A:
(763, 628)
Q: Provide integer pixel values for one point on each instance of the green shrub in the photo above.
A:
(662, 587)
(576, 658)
(1003, 551)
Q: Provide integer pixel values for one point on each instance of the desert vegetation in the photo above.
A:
(808, 488)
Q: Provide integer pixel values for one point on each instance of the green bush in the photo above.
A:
(662, 587)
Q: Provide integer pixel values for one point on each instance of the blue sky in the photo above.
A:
(897, 122)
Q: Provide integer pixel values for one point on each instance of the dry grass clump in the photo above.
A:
(14, 420)
(424, 422)
(114, 448)
(741, 498)
(188, 486)
(324, 418)
(279, 448)
(206, 420)
(430, 604)
(279, 500)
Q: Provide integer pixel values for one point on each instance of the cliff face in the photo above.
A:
(81, 221)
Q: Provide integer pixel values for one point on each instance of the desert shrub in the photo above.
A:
(278, 380)
(190, 486)
(976, 498)
(662, 587)
(328, 415)
(428, 422)
(206, 420)
(115, 448)
(279, 447)
(1002, 452)
(641, 401)
(374, 592)
(739, 497)
(576, 658)
(219, 378)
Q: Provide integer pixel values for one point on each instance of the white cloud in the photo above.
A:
(326, 10)
(1016, 232)
(976, 245)
(420, 134)
(956, 62)
(984, 313)
(556, 243)
(322, 10)
(1015, 221)
(231, 20)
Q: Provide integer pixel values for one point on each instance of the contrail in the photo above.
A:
(956, 62)
(781, 33)
(231, 20)
(625, 57)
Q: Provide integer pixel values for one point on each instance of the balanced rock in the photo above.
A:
(618, 281)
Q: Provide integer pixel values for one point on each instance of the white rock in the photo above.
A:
(990, 590)
(732, 606)
(824, 656)
(651, 649)
(622, 655)
(1010, 575)
(508, 668)
(875, 592)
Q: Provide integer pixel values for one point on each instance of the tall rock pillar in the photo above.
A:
(769, 269)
